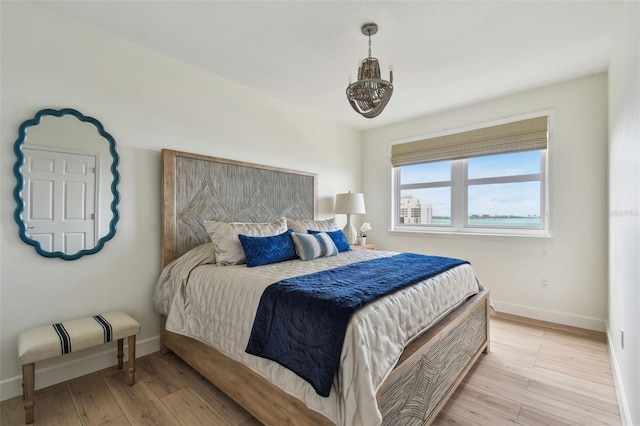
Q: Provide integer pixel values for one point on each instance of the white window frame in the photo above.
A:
(459, 184)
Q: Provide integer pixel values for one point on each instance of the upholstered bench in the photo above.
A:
(54, 340)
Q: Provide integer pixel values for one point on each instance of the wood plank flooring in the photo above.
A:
(536, 374)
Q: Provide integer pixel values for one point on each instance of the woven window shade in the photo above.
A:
(524, 135)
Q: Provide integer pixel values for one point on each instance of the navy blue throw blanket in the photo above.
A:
(301, 321)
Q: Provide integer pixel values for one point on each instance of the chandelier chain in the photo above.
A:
(369, 43)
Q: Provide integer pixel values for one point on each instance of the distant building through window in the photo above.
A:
(412, 212)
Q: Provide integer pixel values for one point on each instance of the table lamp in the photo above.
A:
(350, 203)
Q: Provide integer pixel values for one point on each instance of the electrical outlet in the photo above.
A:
(544, 283)
(622, 338)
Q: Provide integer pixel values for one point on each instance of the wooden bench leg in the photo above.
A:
(28, 382)
(120, 353)
(132, 359)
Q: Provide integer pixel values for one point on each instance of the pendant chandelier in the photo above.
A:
(370, 94)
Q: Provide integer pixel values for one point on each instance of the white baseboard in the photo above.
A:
(64, 371)
(580, 321)
(625, 414)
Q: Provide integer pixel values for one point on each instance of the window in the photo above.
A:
(492, 182)
(425, 194)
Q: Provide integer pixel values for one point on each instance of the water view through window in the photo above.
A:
(500, 191)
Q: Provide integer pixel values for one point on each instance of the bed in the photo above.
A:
(409, 388)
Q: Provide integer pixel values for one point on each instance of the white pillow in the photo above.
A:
(311, 246)
(224, 237)
(302, 226)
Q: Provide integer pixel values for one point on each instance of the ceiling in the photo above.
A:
(445, 53)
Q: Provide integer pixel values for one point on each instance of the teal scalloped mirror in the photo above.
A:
(66, 184)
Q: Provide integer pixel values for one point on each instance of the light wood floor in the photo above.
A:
(536, 374)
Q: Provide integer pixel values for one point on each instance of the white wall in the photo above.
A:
(574, 259)
(147, 102)
(624, 207)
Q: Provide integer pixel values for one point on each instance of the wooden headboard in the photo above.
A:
(196, 188)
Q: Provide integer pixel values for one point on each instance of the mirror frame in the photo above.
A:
(20, 182)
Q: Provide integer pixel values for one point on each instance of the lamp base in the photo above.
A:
(350, 231)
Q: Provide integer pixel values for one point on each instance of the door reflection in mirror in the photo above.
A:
(60, 187)
(67, 179)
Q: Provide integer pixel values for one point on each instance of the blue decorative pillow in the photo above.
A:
(310, 246)
(338, 238)
(266, 250)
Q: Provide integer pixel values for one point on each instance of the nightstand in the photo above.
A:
(364, 247)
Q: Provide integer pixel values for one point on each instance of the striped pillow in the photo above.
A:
(338, 238)
(311, 246)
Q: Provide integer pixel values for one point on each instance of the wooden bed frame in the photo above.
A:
(197, 188)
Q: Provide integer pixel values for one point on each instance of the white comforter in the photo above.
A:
(217, 306)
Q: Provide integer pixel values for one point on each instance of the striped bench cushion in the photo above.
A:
(58, 339)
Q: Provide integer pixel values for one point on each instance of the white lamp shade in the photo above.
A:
(350, 203)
